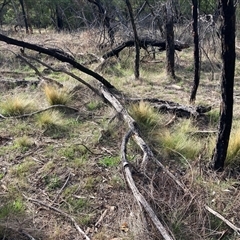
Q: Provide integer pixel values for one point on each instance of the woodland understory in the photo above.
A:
(90, 152)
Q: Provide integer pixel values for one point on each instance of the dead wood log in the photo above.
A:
(144, 43)
(147, 152)
(58, 56)
(139, 197)
(11, 84)
(172, 107)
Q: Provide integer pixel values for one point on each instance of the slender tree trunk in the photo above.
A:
(227, 85)
(137, 45)
(196, 50)
(170, 51)
(59, 18)
(106, 20)
(24, 15)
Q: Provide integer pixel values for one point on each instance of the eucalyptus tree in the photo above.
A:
(195, 9)
(228, 27)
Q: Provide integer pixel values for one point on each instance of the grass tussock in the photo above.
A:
(180, 140)
(17, 105)
(24, 143)
(56, 96)
(144, 114)
(49, 119)
(233, 153)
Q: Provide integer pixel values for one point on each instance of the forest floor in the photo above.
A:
(62, 168)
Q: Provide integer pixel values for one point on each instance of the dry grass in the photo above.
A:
(17, 105)
(56, 96)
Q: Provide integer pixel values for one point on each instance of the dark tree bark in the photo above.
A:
(24, 15)
(227, 85)
(144, 43)
(59, 19)
(57, 55)
(169, 41)
(106, 20)
(196, 50)
(136, 40)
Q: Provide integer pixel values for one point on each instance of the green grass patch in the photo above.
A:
(13, 207)
(110, 161)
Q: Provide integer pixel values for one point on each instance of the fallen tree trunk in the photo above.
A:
(144, 43)
(172, 107)
(56, 55)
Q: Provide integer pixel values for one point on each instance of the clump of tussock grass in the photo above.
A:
(179, 140)
(17, 105)
(233, 152)
(49, 119)
(56, 96)
(24, 142)
(144, 114)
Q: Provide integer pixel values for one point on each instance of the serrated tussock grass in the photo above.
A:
(56, 96)
(49, 119)
(144, 114)
(233, 152)
(180, 140)
(17, 105)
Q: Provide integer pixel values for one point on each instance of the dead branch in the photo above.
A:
(62, 188)
(66, 72)
(139, 197)
(97, 224)
(40, 111)
(144, 43)
(61, 212)
(38, 73)
(147, 152)
(172, 107)
(233, 227)
(10, 84)
(56, 55)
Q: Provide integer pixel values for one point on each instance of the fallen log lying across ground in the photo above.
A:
(144, 43)
(172, 107)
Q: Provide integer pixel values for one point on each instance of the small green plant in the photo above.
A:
(91, 182)
(110, 161)
(213, 117)
(15, 207)
(56, 96)
(144, 114)
(53, 182)
(23, 168)
(93, 105)
(24, 143)
(17, 105)
(78, 204)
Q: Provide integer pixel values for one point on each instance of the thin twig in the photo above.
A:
(60, 191)
(66, 72)
(28, 235)
(101, 218)
(218, 215)
(62, 213)
(39, 111)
